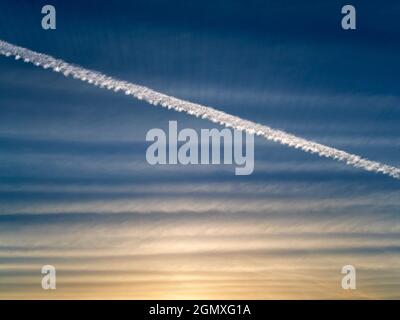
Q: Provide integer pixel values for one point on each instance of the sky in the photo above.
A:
(77, 192)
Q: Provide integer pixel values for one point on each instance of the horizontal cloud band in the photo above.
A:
(157, 98)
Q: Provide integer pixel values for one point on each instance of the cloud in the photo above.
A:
(156, 98)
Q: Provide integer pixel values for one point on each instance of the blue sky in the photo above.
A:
(76, 190)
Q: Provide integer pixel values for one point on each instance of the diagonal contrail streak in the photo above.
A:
(157, 98)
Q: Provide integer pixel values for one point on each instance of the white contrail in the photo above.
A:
(157, 98)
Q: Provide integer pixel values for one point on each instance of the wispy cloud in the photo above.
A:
(156, 98)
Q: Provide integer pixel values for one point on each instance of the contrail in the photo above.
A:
(157, 98)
